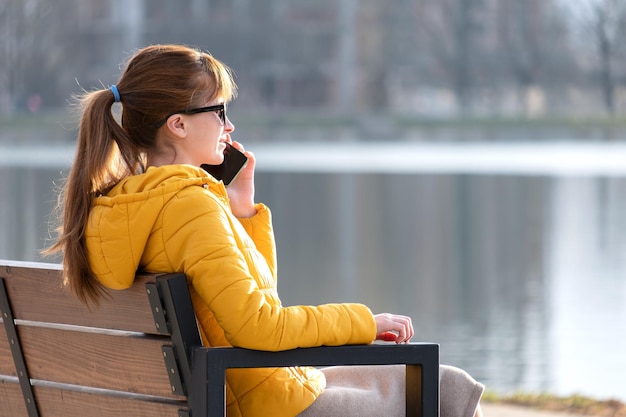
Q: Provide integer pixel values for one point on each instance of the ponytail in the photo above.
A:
(104, 155)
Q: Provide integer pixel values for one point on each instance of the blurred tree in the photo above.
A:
(531, 44)
(600, 25)
(488, 51)
(371, 33)
(464, 18)
(522, 41)
(449, 30)
(346, 56)
(608, 26)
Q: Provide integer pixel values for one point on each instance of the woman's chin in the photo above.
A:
(219, 159)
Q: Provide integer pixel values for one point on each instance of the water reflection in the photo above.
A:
(489, 266)
(26, 205)
(588, 285)
(463, 255)
(519, 278)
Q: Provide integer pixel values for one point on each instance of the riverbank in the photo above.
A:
(546, 405)
(507, 410)
(59, 126)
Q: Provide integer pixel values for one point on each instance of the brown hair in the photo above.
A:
(157, 80)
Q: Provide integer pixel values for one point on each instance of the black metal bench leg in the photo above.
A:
(216, 386)
(430, 389)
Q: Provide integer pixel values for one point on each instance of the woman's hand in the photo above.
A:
(241, 190)
(393, 328)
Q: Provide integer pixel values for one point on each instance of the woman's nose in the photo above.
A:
(229, 126)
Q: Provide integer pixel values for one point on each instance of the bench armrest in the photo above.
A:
(207, 396)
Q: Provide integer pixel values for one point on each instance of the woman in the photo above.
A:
(136, 198)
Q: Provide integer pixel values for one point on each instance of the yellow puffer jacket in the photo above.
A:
(177, 219)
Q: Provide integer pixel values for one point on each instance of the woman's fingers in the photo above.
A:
(398, 325)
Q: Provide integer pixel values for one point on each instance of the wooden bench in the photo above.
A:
(139, 354)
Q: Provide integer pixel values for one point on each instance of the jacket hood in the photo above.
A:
(121, 221)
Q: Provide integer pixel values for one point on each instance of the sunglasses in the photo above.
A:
(220, 109)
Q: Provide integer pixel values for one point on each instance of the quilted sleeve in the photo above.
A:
(229, 274)
(259, 228)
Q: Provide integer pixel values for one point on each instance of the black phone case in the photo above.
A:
(234, 161)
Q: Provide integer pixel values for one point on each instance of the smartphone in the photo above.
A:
(234, 161)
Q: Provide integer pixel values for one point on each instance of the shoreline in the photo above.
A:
(548, 405)
(508, 410)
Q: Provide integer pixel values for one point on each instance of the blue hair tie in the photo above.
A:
(116, 93)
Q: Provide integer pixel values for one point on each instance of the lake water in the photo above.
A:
(512, 258)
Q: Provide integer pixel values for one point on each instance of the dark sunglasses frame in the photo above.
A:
(220, 109)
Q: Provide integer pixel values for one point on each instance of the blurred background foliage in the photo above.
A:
(338, 62)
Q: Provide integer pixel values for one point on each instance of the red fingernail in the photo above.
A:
(388, 336)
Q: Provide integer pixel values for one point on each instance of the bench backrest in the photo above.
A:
(113, 360)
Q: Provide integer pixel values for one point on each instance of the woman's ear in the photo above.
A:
(175, 124)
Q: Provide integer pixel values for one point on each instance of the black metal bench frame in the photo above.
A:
(204, 369)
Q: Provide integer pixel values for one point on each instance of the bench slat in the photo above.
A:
(11, 400)
(122, 363)
(53, 403)
(38, 294)
(7, 366)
